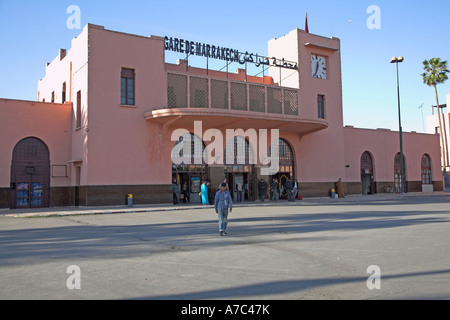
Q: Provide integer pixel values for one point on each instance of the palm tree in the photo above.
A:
(436, 72)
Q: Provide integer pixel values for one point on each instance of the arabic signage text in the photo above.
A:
(222, 53)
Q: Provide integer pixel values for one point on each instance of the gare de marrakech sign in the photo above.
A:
(227, 54)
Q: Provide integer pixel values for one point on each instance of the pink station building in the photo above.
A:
(102, 126)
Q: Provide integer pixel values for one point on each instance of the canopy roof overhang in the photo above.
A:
(223, 119)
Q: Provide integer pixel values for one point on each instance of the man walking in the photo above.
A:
(222, 202)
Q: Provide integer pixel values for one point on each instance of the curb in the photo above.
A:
(71, 211)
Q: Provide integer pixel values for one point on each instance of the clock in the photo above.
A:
(319, 66)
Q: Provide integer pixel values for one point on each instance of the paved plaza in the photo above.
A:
(313, 249)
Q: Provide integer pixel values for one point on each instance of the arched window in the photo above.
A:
(366, 162)
(398, 177)
(238, 152)
(427, 177)
(284, 149)
(190, 147)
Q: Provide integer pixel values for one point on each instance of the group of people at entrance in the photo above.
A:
(290, 188)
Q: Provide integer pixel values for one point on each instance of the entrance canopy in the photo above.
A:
(231, 119)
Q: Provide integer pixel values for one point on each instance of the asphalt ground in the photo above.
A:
(363, 247)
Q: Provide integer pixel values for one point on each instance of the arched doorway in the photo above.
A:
(426, 174)
(240, 168)
(367, 174)
(398, 177)
(190, 173)
(30, 174)
(286, 165)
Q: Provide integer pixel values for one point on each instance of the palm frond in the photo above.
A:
(436, 71)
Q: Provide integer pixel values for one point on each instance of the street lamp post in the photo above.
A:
(402, 164)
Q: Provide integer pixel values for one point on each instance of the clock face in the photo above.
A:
(319, 66)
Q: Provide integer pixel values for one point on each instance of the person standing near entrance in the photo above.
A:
(275, 190)
(175, 192)
(239, 191)
(223, 202)
(340, 189)
(204, 193)
(288, 187)
(210, 193)
(185, 192)
(295, 189)
(262, 189)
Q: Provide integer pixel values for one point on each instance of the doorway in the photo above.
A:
(192, 170)
(195, 183)
(238, 183)
(367, 174)
(282, 178)
(286, 166)
(30, 174)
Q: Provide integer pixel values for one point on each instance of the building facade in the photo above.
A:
(111, 114)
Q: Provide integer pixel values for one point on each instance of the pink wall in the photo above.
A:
(49, 122)
(72, 69)
(123, 147)
(384, 144)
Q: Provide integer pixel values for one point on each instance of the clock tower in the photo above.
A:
(319, 79)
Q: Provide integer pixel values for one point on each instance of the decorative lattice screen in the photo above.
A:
(176, 91)
(290, 102)
(274, 104)
(257, 98)
(238, 96)
(198, 92)
(219, 94)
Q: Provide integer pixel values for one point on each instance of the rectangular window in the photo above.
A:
(321, 106)
(127, 85)
(78, 115)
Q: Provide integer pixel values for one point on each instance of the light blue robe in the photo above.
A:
(204, 194)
